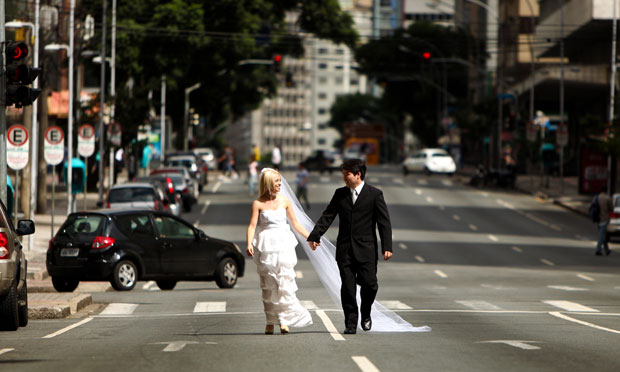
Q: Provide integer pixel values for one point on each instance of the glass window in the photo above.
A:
(323, 66)
(322, 51)
(135, 224)
(129, 194)
(171, 228)
(89, 224)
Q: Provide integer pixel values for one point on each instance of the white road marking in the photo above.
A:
(517, 249)
(479, 305)
(493, 238)
(516, 343)
(299, 274)
(402, 246)
(556, 227)
(473, 227)
(204, 209)
(3, 351)
(330, 326)
(484, 193)
(210, 307)
(456, 217)
(585, 277)
(148, 285)
(422, 182)
(119, 309)
(197, 223)
(419, 258)
(429, 199)
(566, 288)
(324, 179)
(446, 182)
(373, 179)
(493, 286)
(364, 364)
(173, 346)
(571, 306)
(395, 305)
(309, 305)
(216, 186)
(565, 317)
(440, 274)
(547, 262)
(399, 181)
(418, 191)
(66, 329)
(536, 219)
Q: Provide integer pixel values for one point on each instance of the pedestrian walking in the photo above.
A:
(605, 206)
(276, 157)
(301, 180)
(119, 158)
(252, 174)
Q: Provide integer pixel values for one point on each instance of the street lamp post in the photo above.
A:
(186, 115)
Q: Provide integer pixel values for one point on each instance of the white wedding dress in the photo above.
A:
(275, 257)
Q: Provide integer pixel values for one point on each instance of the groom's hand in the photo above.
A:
(387, 255)
(314, 245)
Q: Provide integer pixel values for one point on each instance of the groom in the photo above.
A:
(361, 209)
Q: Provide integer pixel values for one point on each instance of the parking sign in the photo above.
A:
(54, 147)
(17, 147)
(86, 140)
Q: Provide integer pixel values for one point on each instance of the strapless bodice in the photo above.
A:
(273, 219)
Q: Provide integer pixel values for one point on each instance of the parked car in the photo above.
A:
(354, 152)
(167, 188)
(322, 160)
(208, 156)
(137, 195)
(124, 247)
(429, 161)
(196, 167)
(13, 265)
(192, 185)
(184, 191)
(613, 227)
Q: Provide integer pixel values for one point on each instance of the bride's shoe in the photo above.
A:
(269, 329)
(284, 330)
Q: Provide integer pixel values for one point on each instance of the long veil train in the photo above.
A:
(324, 262)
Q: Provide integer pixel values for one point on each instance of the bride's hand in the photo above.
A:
(250, 251)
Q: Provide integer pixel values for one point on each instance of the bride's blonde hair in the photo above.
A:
(267, 179)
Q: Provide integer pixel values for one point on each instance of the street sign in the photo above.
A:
(86, 140)
(531, 131)
(54, 146)
(561, 135)
(114, 133)
(17, 147)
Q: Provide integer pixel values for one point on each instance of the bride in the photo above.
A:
(273, 251)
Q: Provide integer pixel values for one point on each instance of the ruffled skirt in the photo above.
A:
(275, 258)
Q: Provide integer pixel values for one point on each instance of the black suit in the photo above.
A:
(356, 246)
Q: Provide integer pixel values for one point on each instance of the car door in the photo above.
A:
(180, 253)
(143, 239)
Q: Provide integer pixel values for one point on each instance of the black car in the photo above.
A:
(124, 246)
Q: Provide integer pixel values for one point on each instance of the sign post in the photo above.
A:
(86, 147)
(17, 155)
(561, 139)
(54, 153)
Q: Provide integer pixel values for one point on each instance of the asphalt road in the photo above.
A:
(506, 282)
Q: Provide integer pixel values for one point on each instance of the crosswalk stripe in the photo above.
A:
(547, 262)
(210, 307)
(309, 305)
(571, 306)
(119, 309)
(419, 258)
(364, 364)
(2, 351)
(479, 305)
(585, 277)
(395, 305)
(299, 274)
(402, 246)
(440, 274)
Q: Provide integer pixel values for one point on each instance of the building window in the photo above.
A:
(322, 80)
(322, 95)
(354, 82)
(339, 67)
(339, 51)
(322, 111)
(321, 141)
(322, 51)
(323, 66)
(338, 80)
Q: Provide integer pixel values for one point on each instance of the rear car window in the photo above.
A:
(440, 155)
(135, 224)
(131, 194)
(90, 224)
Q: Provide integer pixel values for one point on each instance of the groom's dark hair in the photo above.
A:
(355, 166)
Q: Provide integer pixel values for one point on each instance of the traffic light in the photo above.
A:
(19, 76)
(426, 56)
(289, 80)
(277, 62)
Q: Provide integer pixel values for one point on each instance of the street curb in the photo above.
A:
(36, 273)
(49, 312)
(54, 308)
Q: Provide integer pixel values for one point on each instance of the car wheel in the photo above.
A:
(9, 311)
(226, 274)
(166, 285)
(187, 207)
(125, 276)
(405, 171)
(427, 171)
(64, 284)
(22, 304)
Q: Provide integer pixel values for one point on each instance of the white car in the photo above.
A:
(429, 161)
(208, 156)
(354, 152)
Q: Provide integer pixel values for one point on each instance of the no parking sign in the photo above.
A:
(17, 147)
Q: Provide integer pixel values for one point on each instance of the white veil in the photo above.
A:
(323, 260)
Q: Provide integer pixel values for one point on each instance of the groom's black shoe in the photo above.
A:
(366, 324)
(350, 331)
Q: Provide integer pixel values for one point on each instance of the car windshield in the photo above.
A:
(180, 162)
(90, 224)
(440, 155)
(129, 194)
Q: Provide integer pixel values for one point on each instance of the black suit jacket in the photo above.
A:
(358, 223)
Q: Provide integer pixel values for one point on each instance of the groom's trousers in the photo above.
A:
(353, 272)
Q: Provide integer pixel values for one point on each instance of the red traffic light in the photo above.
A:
(426, 55)
(16, 51)
(277, 58)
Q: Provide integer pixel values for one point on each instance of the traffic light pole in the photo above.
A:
(2, 107)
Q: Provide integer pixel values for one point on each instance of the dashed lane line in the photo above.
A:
(4, 351)
(585, 277)
(440, 274)
(330, 326)
(309, 305)
(479, 305)
(364, 364)
(571, 306)
(456, 217)
(210, 307)
(566, 317)
(402, 246)
(398, 181)
(67, 329)
(525, 345)
(204, 209)
(547, 262)
(418, 191)
(517, 249)
(566, 288)
(395, 305)
(473, 227)
(419, 259)
(216, 186)
(117, 308)
(429, 199)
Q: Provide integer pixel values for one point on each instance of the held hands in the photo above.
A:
(387, 255)
(314, 245)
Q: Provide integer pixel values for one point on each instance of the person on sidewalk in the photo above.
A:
(301, 179)
(605, 206)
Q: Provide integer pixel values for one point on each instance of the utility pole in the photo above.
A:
(102, 106)
(162, 119)
(3, 128)
(611, 161)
